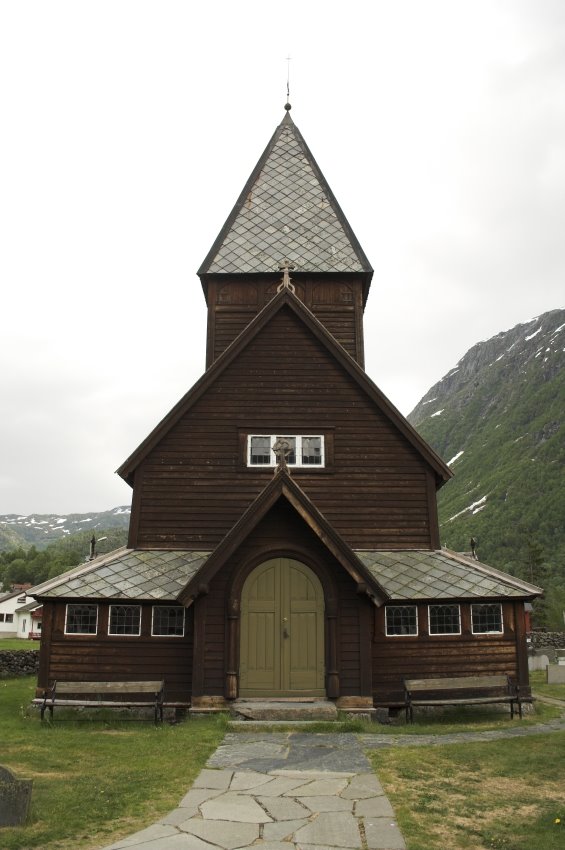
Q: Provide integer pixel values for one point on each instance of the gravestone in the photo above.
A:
(539, 661)
(556, 674)
(15, 797)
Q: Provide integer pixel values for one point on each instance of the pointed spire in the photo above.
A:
(286, 210)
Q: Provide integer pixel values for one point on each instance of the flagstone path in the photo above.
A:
(295, 791)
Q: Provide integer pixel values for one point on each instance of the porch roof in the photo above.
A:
(441, 574)
(160, 574)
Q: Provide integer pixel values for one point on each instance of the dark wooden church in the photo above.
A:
(284, 537)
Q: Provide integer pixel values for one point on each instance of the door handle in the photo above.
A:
(285, 630)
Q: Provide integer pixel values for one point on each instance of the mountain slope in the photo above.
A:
(498, 418)
(40, 530)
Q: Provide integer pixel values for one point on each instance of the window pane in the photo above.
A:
(168, 620)
(401, 620)
(486, 618)
(444, 620)
(291, 457)
(311, 450)
(81, 619)
(260, 450)
(125, 619)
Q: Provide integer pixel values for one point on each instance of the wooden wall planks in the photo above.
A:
(195, 484)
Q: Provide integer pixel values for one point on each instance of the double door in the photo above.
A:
(282, 631)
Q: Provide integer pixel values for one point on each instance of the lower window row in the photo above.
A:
(166, 620)
(486, 618)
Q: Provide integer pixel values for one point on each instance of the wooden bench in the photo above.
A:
(105, 695)
(461, 690)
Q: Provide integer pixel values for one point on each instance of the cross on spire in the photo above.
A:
(285, 283)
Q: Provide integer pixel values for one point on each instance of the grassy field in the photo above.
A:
(95, 781)
(500, 795)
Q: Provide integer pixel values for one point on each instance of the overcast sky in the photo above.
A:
(128, 131)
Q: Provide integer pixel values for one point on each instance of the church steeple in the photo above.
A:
(286, 209)
(286, 212)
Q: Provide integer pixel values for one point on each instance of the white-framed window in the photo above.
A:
(401, 620)
(444, 619)
(303, 449)
(81, 619)
(168, 620)
(124, 620)
(486, 619)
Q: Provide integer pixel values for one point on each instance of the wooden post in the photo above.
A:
(333, 668)
(231, 687)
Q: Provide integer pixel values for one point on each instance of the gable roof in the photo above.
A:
(286, 299)
(286, 211)
(283, 486)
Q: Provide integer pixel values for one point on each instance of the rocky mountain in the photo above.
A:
(498, 419)
(40, 530)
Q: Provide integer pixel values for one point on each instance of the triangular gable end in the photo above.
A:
(286, 299)
(286, 209)
(283, 486)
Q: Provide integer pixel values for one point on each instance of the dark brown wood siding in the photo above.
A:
(427, 656)
(337, 304)
(195, 484)
(104, 657)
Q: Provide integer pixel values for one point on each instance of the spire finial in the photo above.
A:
(287, 105)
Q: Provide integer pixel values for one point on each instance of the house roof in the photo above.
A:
(403, 575)
(285, 299)
(286, 211)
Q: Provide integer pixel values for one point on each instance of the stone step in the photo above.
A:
(281, 710)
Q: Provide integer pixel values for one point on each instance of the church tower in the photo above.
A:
(286, 217)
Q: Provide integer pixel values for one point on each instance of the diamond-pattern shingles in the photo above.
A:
(287, 214)
(154, 574)
(435, 575)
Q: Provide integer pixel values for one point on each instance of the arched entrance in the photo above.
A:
(282, 631)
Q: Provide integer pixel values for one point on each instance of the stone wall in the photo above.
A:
(542, 640)
(18, 662)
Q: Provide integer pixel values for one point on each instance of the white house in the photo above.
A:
(20, 615)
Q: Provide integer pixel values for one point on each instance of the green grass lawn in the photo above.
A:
(498, 795)
(95, 781)
(18, 643)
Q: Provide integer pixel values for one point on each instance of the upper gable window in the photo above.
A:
(301, 450)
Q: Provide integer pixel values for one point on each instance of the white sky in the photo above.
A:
(128, 129)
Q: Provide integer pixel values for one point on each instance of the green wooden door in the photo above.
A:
(282, 631)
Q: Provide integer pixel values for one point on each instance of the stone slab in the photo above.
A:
(278, 786)
(225, 834)
(319, 787)
(362, 786)
(281, 808)
(374, 807)
(243, 780)
(193, 798)
(335, 829)
(213, 779)
(327, 804)
(281, 830)
(383, 834)
(241, 808)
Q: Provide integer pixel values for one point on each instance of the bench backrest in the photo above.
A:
(470, 683)
(108, 687)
